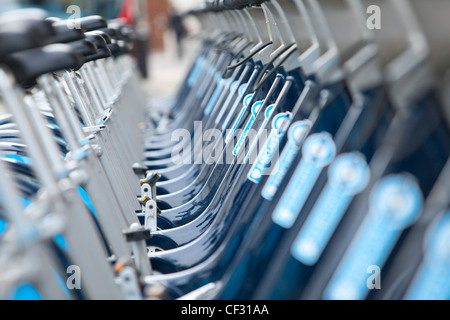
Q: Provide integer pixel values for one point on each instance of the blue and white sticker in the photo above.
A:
(395, 204)
(279, 126)
(267, 114)
(254, 113)
(241, 90)
(247, 100)
(432, 281)
(347, 176)
(210, 72)
(216, 94)
(196, 71)
(296, 135)
(229, 83)
(318, 151)
(218, 77)
(211, 69)
(233, 86)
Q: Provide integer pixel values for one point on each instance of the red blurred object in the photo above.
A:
(127, 12)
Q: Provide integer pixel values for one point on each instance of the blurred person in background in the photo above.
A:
(177, 25)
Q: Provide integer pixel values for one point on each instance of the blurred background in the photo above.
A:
(167, 34)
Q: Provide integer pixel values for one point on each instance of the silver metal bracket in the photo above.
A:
(128, 282)
(148, 185)
(87, 140)
(137, 236)
(150, 214)
(94, 129)
(106, 116)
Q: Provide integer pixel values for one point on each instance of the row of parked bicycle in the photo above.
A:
(70, 137)
(305, 156)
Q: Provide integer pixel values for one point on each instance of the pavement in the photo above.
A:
(167, 71)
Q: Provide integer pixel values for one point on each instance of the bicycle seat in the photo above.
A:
(233, 4)
(85, 47)
(12, 19)
(91, 23)
(52, 20)
(126, 32)
(115, 49)
(23, 33)
(104, 35)
(101, 54)
(113, 32)
(124, 48)
(97, 39)
(102, 47)
(64, 34)
(30, 64)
